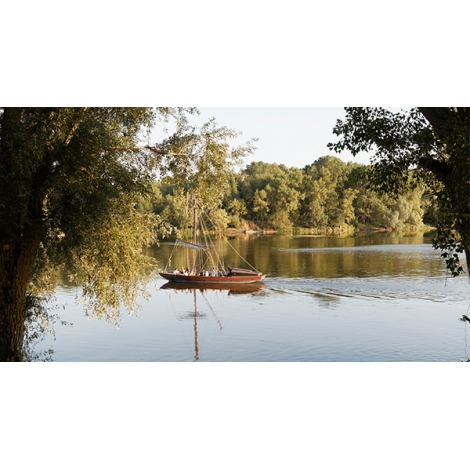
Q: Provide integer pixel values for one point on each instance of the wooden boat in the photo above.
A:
(233, 276)
(214, 277)
(209, 268)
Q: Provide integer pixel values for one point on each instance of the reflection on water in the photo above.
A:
(368, 298)
(207, 286)
(202, 290)
(367, 255)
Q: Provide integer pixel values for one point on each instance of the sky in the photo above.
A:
(293, 136)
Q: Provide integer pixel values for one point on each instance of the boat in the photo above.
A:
(207, 266)
(232, 276)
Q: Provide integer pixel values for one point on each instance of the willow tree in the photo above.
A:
(69, 179)
(201, 162)
(432, 143)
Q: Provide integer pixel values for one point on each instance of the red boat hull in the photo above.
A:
(231, 279)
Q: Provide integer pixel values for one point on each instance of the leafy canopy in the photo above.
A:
(434, 143)
(69, 179)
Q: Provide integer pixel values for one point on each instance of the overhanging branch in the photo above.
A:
(439, 119)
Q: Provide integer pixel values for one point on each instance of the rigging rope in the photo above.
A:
(229, 244)
(169, 259)
(214, 256)
(252, 267)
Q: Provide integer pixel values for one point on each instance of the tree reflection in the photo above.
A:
(304, 256)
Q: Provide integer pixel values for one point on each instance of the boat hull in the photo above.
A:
(214, 280)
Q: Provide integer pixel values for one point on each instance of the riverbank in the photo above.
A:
(327, 231)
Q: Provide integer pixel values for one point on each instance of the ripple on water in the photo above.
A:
(435, 289)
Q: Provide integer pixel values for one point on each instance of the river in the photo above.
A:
(369, 298)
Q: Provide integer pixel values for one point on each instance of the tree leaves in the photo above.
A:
(432, 143)
(73, 175)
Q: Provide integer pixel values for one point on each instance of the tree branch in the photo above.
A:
(439, 119)
(430, 115)
(464, 114)
(159, 152)
(438, 168)
(75, 127)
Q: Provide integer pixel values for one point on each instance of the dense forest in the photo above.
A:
(327, 196)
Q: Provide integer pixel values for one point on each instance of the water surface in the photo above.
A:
(374, 297)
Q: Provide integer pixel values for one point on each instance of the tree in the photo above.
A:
(202, 162)
(236, 210)
(69, 182)
(328, 201)
(271, 193)
(260, 205)
(432, 143)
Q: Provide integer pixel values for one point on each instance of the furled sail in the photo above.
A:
(191, 245)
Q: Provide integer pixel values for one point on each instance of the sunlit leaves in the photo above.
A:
(74, 177)
(195, 167)
(110, 264)
(201, 161)
(432, 143)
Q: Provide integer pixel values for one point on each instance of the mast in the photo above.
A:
(196, 335)
(194, 233)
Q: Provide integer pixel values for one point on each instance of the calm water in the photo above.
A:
(368, 298)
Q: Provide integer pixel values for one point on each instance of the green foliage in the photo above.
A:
(201, 161)
(236, 210)
(429, 146)
(326, 194)
(271, 194)
(69, 182)
(109, 262)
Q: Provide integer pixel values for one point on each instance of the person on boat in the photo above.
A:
(213, 273)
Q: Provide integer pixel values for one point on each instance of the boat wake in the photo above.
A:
(379, 288)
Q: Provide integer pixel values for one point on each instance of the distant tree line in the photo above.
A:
(328, 195)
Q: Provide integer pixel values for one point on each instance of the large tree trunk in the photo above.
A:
(453, 129)
(20, 230)
(16, 265)
(12, 322)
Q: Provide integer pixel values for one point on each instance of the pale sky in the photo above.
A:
(295, 137)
